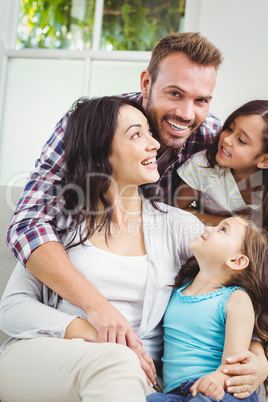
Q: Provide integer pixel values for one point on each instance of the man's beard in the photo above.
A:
(158, 131)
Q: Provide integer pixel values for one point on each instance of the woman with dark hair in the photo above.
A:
(231, 176)
(127, 246)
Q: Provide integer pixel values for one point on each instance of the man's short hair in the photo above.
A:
(195, 46)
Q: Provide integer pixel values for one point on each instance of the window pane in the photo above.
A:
(126, 25)
(139, 24)
(56, 24)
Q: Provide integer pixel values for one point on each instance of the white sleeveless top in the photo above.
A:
(120, 279)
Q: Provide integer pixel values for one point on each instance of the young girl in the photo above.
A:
(211, 311)
(231, 175)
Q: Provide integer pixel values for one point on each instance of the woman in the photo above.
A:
(125, 245)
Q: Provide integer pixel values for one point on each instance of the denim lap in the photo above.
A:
(230, 398)
(182, 393)
(158, 397)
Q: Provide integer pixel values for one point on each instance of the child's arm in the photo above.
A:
(205, 218)
(239, 323)
(238, 333)
(186, 195)
(211, 385)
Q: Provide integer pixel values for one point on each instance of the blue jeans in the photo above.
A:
(183, 394)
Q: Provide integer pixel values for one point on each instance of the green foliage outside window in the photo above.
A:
(55, 24)
(126, 24)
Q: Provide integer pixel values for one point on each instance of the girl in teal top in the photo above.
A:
(220, 297)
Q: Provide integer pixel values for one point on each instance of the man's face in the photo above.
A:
(178, 101)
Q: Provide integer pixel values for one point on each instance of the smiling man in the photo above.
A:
(176, 91)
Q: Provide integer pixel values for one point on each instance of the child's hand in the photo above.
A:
(211, 385)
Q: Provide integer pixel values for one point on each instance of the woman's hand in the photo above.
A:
(211, 385)
(247, 371)
(80, 328)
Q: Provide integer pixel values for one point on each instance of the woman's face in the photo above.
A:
(134, 150)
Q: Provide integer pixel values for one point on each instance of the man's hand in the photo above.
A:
(211, 385)
(112, 326)
(247, 372)
(147, 365)
(80, 328)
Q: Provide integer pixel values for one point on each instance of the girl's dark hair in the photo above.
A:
(88, 142)
(255, 107)
(253, 279)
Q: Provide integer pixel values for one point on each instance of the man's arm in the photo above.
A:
(32, 223)
(80, 328)
(51, 265)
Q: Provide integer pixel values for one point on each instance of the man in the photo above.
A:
(176, 91)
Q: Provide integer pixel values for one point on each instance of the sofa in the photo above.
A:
(9, 197)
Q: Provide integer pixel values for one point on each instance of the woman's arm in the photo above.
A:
(23, 313)
(248, 369)
(80, 328)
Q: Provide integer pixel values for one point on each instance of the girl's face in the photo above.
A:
(220, 243)
(241, 145)
(134, 150)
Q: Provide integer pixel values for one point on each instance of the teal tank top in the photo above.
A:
(194, 333)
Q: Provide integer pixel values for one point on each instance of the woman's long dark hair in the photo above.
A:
(88, 142)
(255, 107)
(254, 279)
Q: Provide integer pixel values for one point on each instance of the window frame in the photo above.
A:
(9, 11)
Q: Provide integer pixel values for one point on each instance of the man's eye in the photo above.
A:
(173, 93)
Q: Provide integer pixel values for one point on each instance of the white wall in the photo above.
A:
(39, 91)
(239, 28)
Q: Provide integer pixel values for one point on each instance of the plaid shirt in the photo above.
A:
(34, 220)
